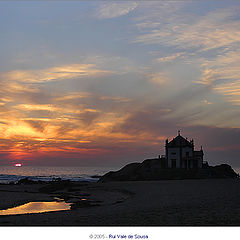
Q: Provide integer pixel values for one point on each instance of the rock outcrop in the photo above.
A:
(151, 169)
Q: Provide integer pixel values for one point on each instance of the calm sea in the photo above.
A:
(11, 173)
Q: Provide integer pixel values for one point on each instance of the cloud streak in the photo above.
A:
(212, 31)
(117, 9)
(54, 73)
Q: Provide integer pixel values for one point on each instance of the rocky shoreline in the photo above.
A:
(150, 169)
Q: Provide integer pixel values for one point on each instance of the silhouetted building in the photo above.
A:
(180, 153)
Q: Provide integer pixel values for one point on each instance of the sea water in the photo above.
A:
(13, 174)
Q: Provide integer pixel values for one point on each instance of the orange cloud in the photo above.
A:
(170, 58)
(53, 74)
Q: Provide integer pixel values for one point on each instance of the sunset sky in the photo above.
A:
(105, 83)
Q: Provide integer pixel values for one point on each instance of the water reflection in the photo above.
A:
(37, 207)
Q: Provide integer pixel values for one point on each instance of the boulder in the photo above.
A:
(222, 171)
(55, 186)
(26, 180)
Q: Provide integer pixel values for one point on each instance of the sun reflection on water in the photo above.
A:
(37, 207)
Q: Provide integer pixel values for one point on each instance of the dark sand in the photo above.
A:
(211, 202)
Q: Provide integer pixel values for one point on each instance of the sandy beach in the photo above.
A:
(208, 202)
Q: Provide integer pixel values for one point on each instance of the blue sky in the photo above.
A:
(95, 80)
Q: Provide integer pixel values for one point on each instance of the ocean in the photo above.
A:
(13, 174)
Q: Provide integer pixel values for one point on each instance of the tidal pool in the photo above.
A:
(37, 207)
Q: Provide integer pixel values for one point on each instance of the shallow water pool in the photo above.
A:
(37, 207)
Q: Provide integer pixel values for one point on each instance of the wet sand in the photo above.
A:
(209, 202)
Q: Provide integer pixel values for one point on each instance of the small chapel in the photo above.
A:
(180, 153)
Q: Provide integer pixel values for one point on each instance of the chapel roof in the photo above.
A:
(179, 141)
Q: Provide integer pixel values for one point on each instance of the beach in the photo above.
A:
(205, 202)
